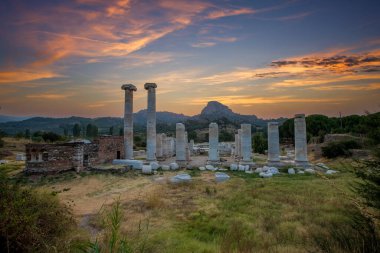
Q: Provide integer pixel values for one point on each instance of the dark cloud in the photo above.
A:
(354, 63)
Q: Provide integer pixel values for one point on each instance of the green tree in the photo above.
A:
(192, 135)
(27, 134)
(226, 136)
(19, 135)
(91, 131)
(51, 137)
(121, 132)
(77, 130)
(260, 143)
(111, 131)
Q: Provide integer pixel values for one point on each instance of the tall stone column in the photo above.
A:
(273, 143)
(213, 154)
(246, 143)
(300, 140)
(191, 147)
(240, 146)
(128, 120)
(187, 147)
(180, 145)
(159, 146)
(236, 146)
(151, 122)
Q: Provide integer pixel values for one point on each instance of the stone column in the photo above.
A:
(236, 146)
(246, 143)
(180, 144)
(300, 140)
(128, 120)
(273, 143)
(159, 145)
(213, 141)
(187, 147)
(78, 157)
(191, 147)
(240, 146)
(151, 122)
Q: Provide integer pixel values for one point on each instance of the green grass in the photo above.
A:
(286, 213)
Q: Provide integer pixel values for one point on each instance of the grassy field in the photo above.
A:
(286, 213)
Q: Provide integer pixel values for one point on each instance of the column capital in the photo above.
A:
(129, 87)
(147, 86)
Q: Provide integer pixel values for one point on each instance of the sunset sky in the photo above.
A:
(268, 58)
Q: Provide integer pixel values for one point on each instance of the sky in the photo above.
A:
(269, 58)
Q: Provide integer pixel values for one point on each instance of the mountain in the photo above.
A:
(214, 111)
(7, 118)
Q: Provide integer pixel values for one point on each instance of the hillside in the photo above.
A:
(213, 111)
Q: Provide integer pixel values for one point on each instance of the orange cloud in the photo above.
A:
(50, 96)
(24, 75)
(229, 12)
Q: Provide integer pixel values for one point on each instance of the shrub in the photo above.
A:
(335, 149)
(31, 221)
(260, 144)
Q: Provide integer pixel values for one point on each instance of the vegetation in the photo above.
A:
(342, 148)
(77, 129)
(259, 143)
(31, 221)
(319, 125)
(91, 131)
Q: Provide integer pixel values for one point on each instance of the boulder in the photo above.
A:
(249, 171)
(322, 165)
(174, 166)
(181, 178)
(165, 167)
(210, 167)
(311, 171)
(301, 172)
(147, 169)
(202, 168)
(265, 174)
(330, 172)
(273, 170)
(135, 164)
(242, 167)
(154, 165)
(291, 171)
(221, 177)
(234, 167)
(258, 170)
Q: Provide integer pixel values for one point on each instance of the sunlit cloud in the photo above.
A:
(24, 75)
(203, 44)
(50, 96)
(228, 12)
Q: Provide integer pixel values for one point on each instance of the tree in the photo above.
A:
(91, 131)
(121, 132)
(27, 134)
(111, 130)
(260, 144)
(192, 135)
(51, 137)
(77, 130)
(226, 136)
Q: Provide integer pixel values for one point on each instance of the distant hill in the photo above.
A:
(214, 111)
(7, 118)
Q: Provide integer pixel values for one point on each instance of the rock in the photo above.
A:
(189, 167)
(291, 171)
(154, 165)
(147, 169)
(265, 174)
(210, 167)
(258, 170)
(221, 177)
(330, 172)
(241, 167)
(165, 167)
(3, 161)
(181, 178)
(135, 164)
(249, 171)
(160, 180)
(322, 165)
(273, 170)
(301, 172)
(174, 166)
(222, 169)
(202, 168)
(311, 171)
(234, 167)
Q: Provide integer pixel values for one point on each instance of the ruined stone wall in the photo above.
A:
(50, 158)
(108, 149)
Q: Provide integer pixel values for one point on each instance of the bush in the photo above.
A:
(1, 143)
(31, 221)
(336, 149)
(260, 143)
